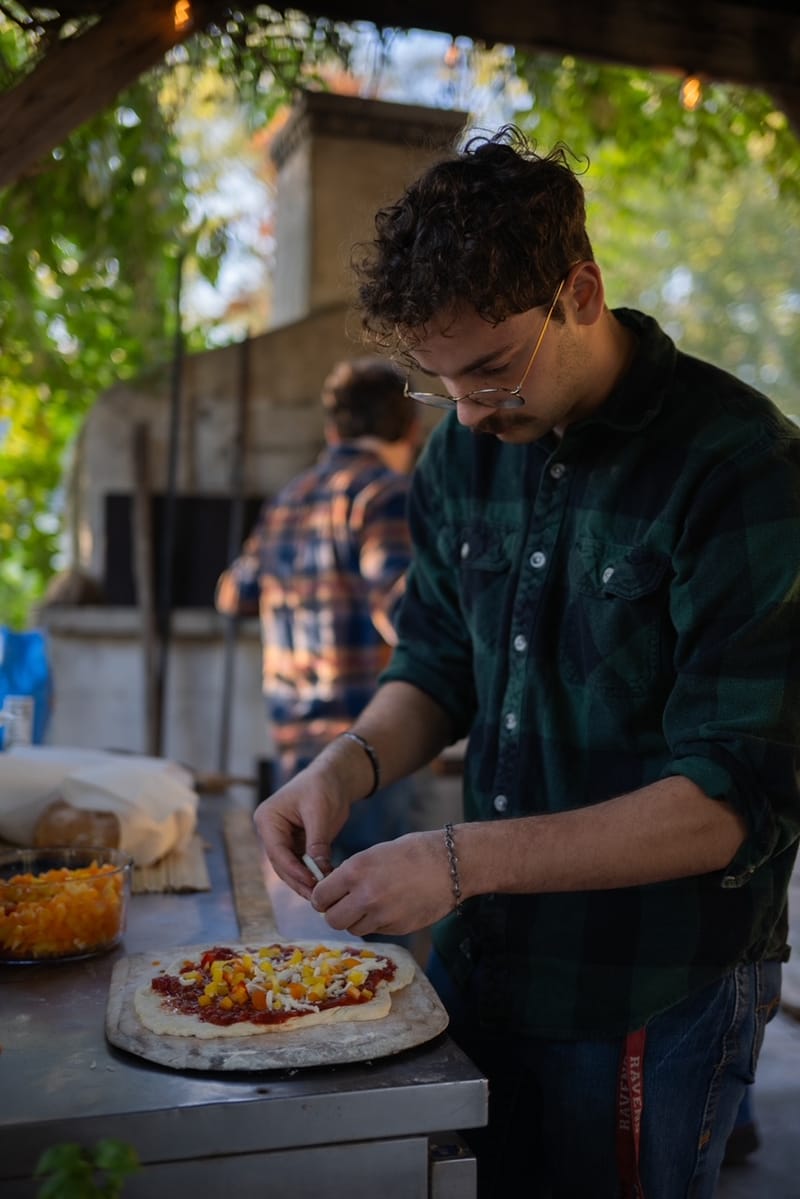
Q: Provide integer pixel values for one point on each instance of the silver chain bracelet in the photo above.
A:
(452, 861)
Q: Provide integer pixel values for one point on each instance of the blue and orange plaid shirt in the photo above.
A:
(324, 568)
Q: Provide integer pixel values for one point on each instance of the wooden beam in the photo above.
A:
(80, 77)
(751, 42)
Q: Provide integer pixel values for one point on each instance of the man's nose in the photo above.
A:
(469, 413)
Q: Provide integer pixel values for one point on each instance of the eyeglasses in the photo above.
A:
(490, 397)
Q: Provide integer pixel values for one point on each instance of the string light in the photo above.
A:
(691, 93)
(182, 15)
(451, 55)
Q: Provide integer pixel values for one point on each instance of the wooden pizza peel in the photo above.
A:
(416, 1016)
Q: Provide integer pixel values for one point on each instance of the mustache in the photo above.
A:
(497, 424)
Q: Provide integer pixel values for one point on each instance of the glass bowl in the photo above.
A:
(62, 904)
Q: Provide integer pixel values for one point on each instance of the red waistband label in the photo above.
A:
(630, 1101)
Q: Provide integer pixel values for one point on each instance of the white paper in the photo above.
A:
(152, 798)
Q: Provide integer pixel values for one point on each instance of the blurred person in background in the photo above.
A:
(324, 568)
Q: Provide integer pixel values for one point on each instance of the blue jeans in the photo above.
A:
(552, 1104)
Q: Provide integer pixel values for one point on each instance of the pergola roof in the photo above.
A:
(754, 42)
(750, 42)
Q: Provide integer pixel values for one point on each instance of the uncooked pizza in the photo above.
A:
(246, 991)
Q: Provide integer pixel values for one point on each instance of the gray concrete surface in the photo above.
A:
(773, 1171)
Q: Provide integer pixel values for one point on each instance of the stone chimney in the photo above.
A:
(339, 159)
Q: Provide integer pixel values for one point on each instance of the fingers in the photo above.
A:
(349, 904)
(285, 842)
(369, 893)
(291, 870)
(320, 853)
(362, 927)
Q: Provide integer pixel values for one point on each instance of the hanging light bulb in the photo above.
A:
(182, 15)
(691, 93)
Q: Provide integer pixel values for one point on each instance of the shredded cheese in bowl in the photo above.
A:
(61, 904)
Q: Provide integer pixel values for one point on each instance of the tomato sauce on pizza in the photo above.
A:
(273, 984)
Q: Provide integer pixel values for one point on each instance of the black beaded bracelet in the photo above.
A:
(373, 757)
(452, 862)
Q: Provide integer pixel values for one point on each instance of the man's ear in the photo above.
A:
(587, 294)
(331, 433)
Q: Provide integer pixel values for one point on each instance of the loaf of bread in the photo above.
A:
(146, 807)
(62, 824)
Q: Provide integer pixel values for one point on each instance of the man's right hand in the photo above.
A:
(301, 817)
(309, 811)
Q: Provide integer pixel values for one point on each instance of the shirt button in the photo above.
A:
(510, 721)
(464, 549)
(608, 574)
(537, 560)
(520, 643)
(558, 470)
(500, 803)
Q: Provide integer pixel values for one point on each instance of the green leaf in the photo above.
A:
(68, 1173)
(118, 1160)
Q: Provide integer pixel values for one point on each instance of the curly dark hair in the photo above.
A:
(495, 226)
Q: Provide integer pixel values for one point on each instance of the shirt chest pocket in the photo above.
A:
(616, 617)
(480, 554)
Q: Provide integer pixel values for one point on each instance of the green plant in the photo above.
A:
(76, 1172)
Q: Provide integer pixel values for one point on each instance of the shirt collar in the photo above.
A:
(639, 395)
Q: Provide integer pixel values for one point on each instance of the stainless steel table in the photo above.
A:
(390, 1123)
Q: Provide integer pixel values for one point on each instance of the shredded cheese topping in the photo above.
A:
(279, 978)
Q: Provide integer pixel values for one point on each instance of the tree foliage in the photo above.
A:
(694, 218)
(89, 252)
(694, 214)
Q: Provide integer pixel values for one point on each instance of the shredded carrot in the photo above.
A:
(61, 912)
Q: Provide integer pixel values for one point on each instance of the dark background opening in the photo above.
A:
(202, 546)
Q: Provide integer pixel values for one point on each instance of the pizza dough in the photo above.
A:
(164, 1016)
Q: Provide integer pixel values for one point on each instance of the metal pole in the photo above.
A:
(142, 526)
(164, 607)
(235, 537)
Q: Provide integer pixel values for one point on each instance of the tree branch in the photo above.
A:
(79, 77)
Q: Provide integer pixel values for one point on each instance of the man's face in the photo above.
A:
(469, 353)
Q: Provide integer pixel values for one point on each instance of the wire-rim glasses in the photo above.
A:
(490, 397)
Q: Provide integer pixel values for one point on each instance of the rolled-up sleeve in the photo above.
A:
(733, 718)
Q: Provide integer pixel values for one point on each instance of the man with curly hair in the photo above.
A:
(604, 599)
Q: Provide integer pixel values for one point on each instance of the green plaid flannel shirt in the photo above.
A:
(596, 613)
